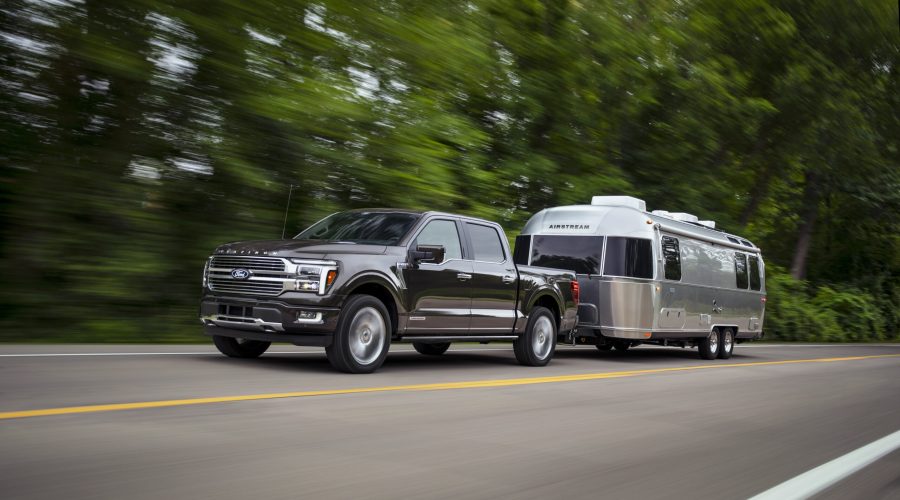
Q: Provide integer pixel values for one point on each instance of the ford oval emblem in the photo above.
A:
(240, 274)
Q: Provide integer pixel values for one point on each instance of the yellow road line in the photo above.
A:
(69, 410)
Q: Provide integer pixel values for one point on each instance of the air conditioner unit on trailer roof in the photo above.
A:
(619, 201)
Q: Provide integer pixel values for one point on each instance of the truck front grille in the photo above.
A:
(253, 287)
(252, 263)
(267, 275)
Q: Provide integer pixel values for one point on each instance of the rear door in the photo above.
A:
(494, 281)
(439, 295)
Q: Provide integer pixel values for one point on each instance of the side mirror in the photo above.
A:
(433, 254)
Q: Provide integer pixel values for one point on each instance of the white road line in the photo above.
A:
(559, 348)
(809, 483)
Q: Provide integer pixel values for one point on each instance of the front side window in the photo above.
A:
(373, 228)
(486, 243)
(443, 233)
(740, 269)
(671, 258)
(581, 254)
(755, 282)
(631, 257)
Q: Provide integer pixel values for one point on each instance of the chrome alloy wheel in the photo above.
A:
(367, 335)
(714, 341)
(727, 341)
(542, 339)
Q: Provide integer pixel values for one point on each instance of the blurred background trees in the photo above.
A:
(138, 135)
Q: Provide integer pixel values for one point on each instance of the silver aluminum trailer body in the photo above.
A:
(649, 277)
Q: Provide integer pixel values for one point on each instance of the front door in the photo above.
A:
(439, 295)
(494, 282)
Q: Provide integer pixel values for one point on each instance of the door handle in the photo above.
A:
(463, 276)
(508, 279)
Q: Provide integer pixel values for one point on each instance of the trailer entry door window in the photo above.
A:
(755, 282)
(671, 258)
(631, 257)
(740, 268)
(581, 254)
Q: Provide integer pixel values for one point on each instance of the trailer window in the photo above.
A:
(671, 258)
(523, 248)
(755, 282)
(632, 257)
(740, 269)
(581, 254)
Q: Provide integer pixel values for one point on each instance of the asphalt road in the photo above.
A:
(597, 425)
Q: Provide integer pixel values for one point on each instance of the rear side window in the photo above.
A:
(740, 269)
(671, 258)
(581, 254)
(632, 257)
(485, 243)
(523, 248)
(755, 282)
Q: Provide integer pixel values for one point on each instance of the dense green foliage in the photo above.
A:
(138, 135)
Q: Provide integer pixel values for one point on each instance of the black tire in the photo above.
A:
(532, 347)
(240, 348)
(363, 336)
(604, 347)
(726, 343)
(709, 345)
(431, 349)
(621, 345)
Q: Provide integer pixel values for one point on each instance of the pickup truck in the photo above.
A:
(359, 280)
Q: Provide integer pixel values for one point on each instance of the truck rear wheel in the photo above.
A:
(431, 349)
(726, 343)
(363, 336)
(536, 346)
(240, 348)
(709, 345)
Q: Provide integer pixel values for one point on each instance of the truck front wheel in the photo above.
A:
(240, 348)
(363, 336)
(536, 346)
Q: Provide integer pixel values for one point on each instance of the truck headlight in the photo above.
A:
(314, 276)
(206, 272)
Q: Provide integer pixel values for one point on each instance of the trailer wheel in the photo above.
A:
(431, 349)
(709, 345)
(240, 348)
(604, 347)
(726, 343)
(363, 336)
(536, 346)
(622, 345)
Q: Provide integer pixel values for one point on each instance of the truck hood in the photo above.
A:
(298, 248)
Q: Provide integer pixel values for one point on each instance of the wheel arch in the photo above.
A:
(382, 290)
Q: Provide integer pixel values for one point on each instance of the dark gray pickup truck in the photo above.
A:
(356, 281)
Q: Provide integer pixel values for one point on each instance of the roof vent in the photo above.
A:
(707, 223)
(684, 217)
(619, 201)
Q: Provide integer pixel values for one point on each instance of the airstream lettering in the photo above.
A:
(651, 277)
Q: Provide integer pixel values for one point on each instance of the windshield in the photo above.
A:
(373, 228)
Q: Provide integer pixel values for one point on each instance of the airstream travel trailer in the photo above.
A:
(651, 277)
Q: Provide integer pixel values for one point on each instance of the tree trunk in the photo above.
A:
(810, 213)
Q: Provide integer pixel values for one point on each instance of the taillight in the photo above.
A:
(576, 291)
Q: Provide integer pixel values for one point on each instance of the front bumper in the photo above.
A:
(268, 320)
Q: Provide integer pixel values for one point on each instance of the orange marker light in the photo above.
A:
(647, 335)
(329, 279)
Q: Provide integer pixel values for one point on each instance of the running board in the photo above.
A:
(449, 338)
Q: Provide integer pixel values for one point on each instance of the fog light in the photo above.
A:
(306, 315)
